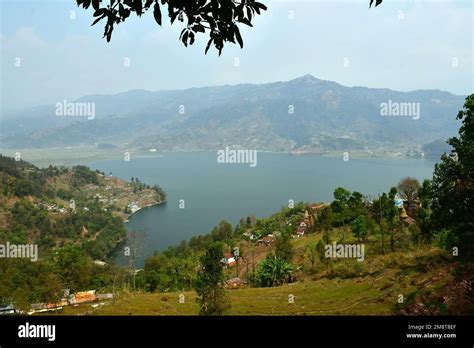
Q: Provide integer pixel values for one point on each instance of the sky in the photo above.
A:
(49, 51)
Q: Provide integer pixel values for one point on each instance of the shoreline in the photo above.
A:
(146, 206)
(87, 155)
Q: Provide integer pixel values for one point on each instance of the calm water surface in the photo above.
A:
(213, 191)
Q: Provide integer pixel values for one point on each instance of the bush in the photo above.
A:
(446, 239)
(347, 269)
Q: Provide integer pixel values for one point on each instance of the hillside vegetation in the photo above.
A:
(374, 291)
(73, 216)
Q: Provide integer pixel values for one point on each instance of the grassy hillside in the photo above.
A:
(375, 292)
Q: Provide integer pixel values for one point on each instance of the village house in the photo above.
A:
(267, 240)
(74, 299)
(133, 207)
(247, 233)
(405, 219)
(83, 297)
(108, 296)
(408, 221)
(299, 232)
(8, 309)
(229, 260)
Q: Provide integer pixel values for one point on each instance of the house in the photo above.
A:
(47, 307)
(408, 221)
(8, 309)
(248, 233)
(300, 231)
(303, 224)
(403, 213)
(398, 202)
(83, 297)
(267, 240)
(405, 218)
(228, 260)
(99, 263)
(133, 207)
(105, 296)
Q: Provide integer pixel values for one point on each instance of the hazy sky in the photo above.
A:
(402, 45)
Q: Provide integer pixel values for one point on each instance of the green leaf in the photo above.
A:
(138, 7)
(148, 3)
(246, 21)
(238, 37)
(260, 5)
(157, 13)
(98, 19)
(208, 45)
(95, 4)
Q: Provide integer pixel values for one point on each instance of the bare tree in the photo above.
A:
(136, 245)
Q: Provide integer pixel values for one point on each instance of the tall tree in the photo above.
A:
(326, 219)
(283, 247)
(137, 242)
(321, 248)
(453, 185)
(74, 268)
(423, 214)
(386, 214)
(408, 188)
(209, 284)
(359, 227)
(340, 205)
(311, 252)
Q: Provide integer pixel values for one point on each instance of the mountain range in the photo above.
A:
(304, 114)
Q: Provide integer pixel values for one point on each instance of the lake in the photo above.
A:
(214, 191)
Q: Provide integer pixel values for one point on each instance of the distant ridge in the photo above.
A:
(305, 113)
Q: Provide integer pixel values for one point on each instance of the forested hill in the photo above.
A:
(57, 206)
(74, 217)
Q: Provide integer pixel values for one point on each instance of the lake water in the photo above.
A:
(213, 191)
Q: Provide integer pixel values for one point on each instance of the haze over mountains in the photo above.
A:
(306, 114)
